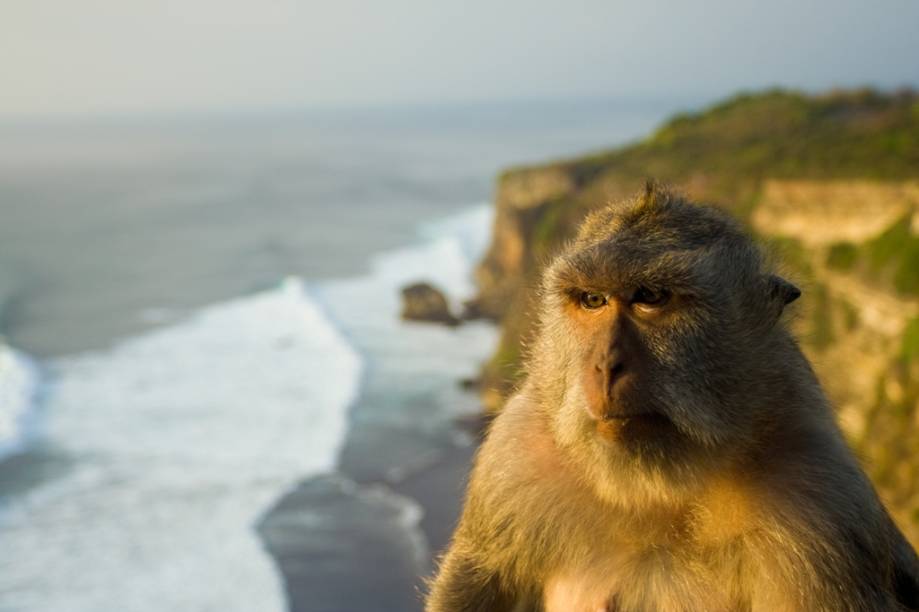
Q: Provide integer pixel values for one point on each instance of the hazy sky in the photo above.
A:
(98, 56)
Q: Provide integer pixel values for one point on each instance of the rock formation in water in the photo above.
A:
(424, 302)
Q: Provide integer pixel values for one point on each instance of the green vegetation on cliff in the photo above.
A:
(892, 257)
(783, 134)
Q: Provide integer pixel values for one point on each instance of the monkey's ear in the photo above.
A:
(780, 293)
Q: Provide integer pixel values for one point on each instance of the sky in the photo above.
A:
(60, 57)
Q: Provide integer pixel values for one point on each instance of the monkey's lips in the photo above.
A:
(623, 413)
(618, 427)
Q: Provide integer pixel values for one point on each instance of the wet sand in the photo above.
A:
(347, 545)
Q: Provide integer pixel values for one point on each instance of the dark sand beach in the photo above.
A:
(362, 534)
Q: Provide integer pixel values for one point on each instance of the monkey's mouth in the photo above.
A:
(611, 416)
(618, 427)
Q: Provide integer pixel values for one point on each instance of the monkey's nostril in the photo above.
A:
(615, 372)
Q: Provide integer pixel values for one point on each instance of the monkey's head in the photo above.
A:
(659, 323)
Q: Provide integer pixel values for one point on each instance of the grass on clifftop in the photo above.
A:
(896, 253)
(723, 153)
(782, 134)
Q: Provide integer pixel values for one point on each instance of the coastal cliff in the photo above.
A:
(828, 183)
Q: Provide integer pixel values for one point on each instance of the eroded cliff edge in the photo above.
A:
(829, 183)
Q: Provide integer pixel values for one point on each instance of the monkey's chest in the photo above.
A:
(649, 579)
(579, 591)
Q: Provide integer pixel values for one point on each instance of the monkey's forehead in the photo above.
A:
(610, 265)
(658, 238)
(622, 262)
(676, 226)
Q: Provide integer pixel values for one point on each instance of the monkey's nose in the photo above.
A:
(610, 373)
(615, 373)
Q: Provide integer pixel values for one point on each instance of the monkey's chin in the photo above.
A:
(632, 428)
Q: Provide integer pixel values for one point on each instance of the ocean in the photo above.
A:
(207, 398)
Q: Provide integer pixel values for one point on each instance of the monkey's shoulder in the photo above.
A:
(524, 490)
(520, 449)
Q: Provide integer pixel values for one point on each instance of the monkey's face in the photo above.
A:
(613, 374)
(637, 373)
(650, 332)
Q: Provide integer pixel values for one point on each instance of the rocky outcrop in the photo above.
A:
(424, 302)
(521, 201)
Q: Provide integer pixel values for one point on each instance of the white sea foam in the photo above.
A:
(179, 439)
(18, 386)
(410, 359)
(368, 306)
(415, 358)
(470, 228)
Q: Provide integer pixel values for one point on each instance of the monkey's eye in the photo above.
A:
(592, 301)
(653, 298)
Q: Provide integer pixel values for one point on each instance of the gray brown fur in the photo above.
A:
(669, 453)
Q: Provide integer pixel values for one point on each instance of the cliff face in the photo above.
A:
(522, 202)
(820, 213)
(830, 184)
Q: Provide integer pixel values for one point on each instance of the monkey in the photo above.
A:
(670, 447)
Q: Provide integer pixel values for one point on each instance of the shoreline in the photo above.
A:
(364, 535)
(370, 558)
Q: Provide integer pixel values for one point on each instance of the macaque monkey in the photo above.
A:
(670, 448)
